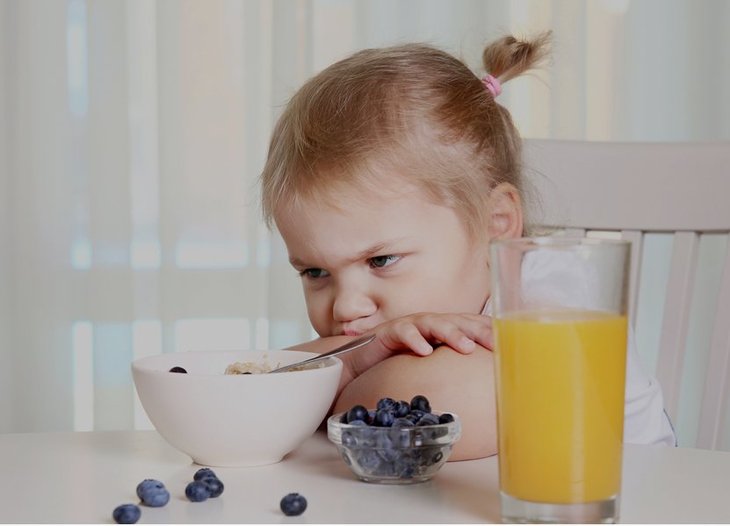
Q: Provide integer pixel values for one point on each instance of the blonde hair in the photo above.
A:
(411, 109)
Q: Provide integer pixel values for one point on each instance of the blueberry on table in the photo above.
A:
(178, 369)
(155, 497)
(126, 514)
(197, 491)
(215, 486)
(153, 493)
(203, 473)
(293, 504)
(148, 484)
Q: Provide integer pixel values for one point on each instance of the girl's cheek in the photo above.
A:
(320, 314)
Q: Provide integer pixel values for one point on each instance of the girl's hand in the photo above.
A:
(419, 333)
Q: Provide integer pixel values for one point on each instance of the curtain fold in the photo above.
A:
(132, 134)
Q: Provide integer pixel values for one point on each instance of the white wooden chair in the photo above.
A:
(635, 189)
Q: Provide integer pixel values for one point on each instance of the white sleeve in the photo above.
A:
(645, 421)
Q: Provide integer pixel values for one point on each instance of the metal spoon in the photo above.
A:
(349, 346)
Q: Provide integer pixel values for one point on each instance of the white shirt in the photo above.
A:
(645, 420)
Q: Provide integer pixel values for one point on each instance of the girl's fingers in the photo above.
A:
(416, 333)
(407, 335)
(459, 332)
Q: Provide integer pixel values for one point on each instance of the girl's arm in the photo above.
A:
(410, 334)
(453, 382)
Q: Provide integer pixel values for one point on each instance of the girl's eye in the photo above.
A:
(383, 261)
(314, 273)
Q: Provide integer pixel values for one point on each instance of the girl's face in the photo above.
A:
(382, 257)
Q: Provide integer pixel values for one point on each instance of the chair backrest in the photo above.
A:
(636, 190)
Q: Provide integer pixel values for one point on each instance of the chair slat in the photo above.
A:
(675, 322)
(636, 238)
(717, 384)
(588, 188)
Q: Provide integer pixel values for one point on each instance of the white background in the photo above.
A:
(132, 133)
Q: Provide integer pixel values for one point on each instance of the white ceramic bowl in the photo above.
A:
(234, 420)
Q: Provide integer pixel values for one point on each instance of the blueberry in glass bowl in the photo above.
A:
(395, 443)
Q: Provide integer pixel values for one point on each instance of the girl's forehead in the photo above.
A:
(329, 236)
(369, 190)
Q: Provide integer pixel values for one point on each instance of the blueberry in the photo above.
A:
(343, 418)
(178, 369)
(197, 491)
(405, 467)
(203, 473)
(368, 460)
(366, 436)
(357, 412)
(215, 486)
(293, 504)
(126, 514)
(148, 484)
(371, 417)
(446, 418)
(403, 422)
(429, 419)
(386, 448)
(385, 403)
(415, 415)
(421, 403)
(155, 497)
(401, 409)
(400, 436)
(348, 439)
(384, 418)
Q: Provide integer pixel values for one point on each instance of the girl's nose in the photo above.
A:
(351, 304)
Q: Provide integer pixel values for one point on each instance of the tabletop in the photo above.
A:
(82, 477)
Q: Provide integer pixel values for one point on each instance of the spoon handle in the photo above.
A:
(349, 346)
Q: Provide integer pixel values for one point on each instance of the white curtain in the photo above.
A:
(132, 133)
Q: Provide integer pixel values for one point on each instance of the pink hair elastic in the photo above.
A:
(492, 84)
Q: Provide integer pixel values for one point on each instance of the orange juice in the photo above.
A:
(560, 401)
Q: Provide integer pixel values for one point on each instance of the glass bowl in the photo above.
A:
(394, 455)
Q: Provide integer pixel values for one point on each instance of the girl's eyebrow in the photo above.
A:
(377, 249)
(369, 252)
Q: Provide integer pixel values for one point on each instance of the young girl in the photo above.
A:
(388, 175)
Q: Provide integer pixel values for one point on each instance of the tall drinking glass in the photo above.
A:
(561, 328)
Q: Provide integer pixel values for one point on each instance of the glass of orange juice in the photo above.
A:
(560, 322)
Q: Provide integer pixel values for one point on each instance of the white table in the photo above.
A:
(82, 477)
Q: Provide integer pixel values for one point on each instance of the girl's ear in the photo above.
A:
(505, 212)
